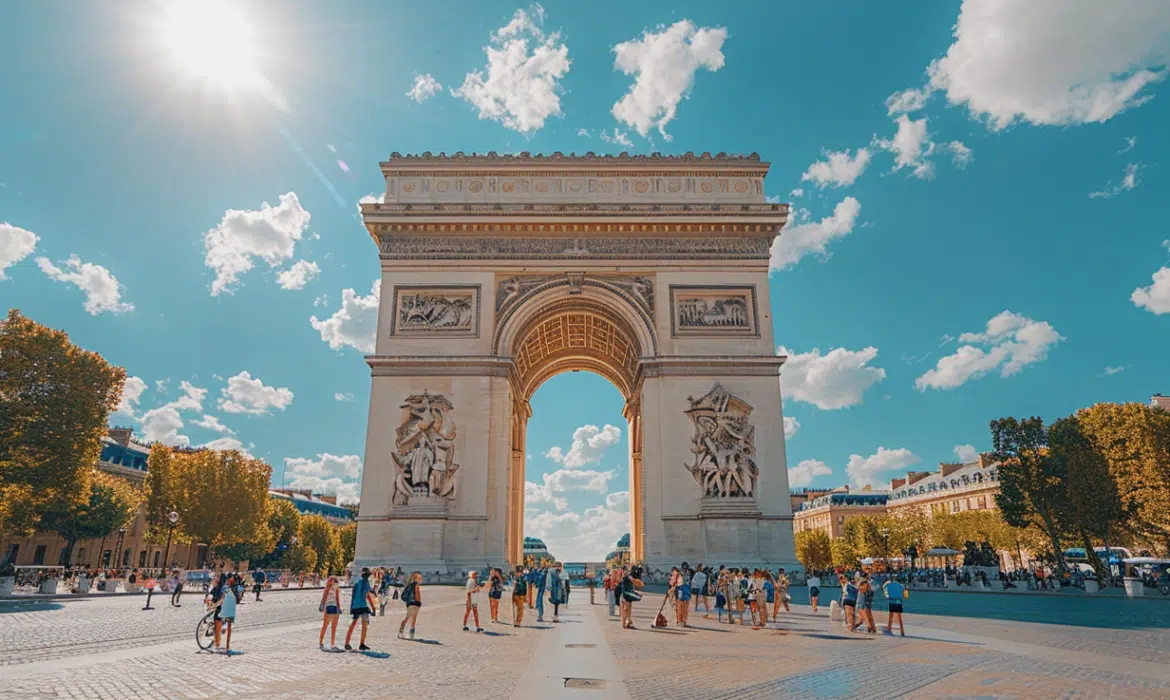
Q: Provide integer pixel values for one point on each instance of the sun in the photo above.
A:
(210, 40)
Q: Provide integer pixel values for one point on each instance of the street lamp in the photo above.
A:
(173, 519)
(118, 549)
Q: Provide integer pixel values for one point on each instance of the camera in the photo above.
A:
(636, 571)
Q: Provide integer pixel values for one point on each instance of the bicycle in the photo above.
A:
(205, 631)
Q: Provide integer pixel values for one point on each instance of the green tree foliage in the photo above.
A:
(1134, 442)
(1091, 493)
(844, 556)
(814, 549)
(348, 537)
(321, 537)
(55, 399)
(112, 503)
(300, 558)
(1032, 482)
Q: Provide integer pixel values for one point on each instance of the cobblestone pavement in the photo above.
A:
(112, 649)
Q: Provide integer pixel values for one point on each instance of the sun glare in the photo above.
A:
(210, 40)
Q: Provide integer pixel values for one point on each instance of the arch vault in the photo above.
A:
(499, 272)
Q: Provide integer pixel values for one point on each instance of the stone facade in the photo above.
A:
(499, 272)
(830, 511)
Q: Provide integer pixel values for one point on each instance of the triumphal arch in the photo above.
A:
(499, 272)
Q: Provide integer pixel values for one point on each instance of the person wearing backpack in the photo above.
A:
(519, 596)
(412, 597)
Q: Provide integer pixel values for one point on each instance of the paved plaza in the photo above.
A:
(958, 645)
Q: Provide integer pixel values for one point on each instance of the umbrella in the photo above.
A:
(941, 552)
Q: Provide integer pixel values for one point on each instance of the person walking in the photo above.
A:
(176, 588)
(520, 595)
(229, 596)
(258, 580)
(814, 590)
(782, 597)
(866, 593)
(472, 589)
(849, 601)
(769, 596)
(555, 588)
(412, 597)
(895, 593)
(532, 573)
(628, 588)
(684, 597)
(721, 596)
(331, 608)
(362, 604)
(495, 592)
(610, 582)
(753, 595)
(736, 588)
(541, 587)
(699, 591)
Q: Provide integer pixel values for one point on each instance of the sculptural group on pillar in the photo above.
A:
(425, 454)
(723, 445)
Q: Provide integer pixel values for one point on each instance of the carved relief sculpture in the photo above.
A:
(713, 311)
(425, 455)
(723, 445)
(424, 312)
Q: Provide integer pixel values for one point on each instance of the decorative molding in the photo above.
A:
(526, 248)
(436, 310)
(713, 311)
(424, 456)
(710, 366)
(725, 449)
(635, 289)
(610, 208)
(492, 157)
(512, 305)
(440, 366)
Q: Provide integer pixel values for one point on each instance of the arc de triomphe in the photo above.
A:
(499, 272)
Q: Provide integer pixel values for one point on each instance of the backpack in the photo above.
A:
(408, 593)
(521, 588)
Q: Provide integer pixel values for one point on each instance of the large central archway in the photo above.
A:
(500, 272)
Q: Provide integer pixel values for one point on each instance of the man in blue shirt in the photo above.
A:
(258, 580)
(895, 593)
(361, 606)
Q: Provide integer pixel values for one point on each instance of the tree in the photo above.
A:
(1031, 480)
(1134, 442)
(112, 502)
(300, 558)
(321, 537)
(348, 537)
(814, 550)
(844, 556)
(55, 399)
(1094, 505)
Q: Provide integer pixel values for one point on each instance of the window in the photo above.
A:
(81, 556)
(10, 555)
(106, 555)
(157, 554)
(142, 559)
(39, 555)
(982, 502)
(126, 557)
(954, 506)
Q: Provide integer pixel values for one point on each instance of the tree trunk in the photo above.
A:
(1054, 537)
(1091, 554)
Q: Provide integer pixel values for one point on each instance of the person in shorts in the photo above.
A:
(849, 602)
(361, 605)
(412, 597)
(472, 589)
(225, 616)
(721, 597)
(814, 590)
(895, 594)
(521, 587)
(684, 598)
(331, 608)
(495, 592)
(699, 591)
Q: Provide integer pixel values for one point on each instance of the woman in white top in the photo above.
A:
(814, 590)
(331, 607)
(472, 588)
(699, 591)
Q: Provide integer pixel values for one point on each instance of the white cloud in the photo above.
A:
(911, 147)
(588, 536)
(797, 192)
(269, 233)
(160, 385)
(1054, 62)
(864, 471)
(355, 323)
(807, 237)
(664, 64)
(320, 301)
(1130, 143)
(966, 453)
(563, 481)
(838, 169)
(1111, 370)
(338, 396)
(226, 444)
(583, 132)
(1128, 182)
(1156, 297)
(804, 473)
(244, 394)
(425, 87)
(297, 276)
(371, 198)
(1010, 343)
(16, 244)
(521, 89)
(589, 446)
(162, 424)
(328, 474)
(620, 138)
(102, 290)
(192, 398)
(132, 391)
(961, 155)
(791, 425)
(212, 423)
(910, 100)
(837, 379)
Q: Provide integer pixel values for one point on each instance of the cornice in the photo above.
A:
(443, 365)
(706, 365)
(557, 157)
(376, 211)
(431, 247)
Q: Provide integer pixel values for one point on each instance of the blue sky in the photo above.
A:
(947, 162)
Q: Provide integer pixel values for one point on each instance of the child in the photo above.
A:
(412, 596)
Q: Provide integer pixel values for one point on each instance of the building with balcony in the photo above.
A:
(955, 488)
(308, 503)
(829, 512)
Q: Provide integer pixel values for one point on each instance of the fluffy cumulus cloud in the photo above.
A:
(838, 169)
(588, 447)
(876, 468)
(1054, 62)
(1010, 343)
(837, 379)
(1154, 298)
(247, 394)
(102, 290)
(966, 453)
(617, 137)
(212, 423)
(424, 88)
(1129, 180)
(163, 423)
(355, 324)
(911, 147)
(906, 101)
(805, 236)
(587, 536)
(268, 233)
(961, 154)
(791, 425)
(227, 444)
(297, 276)
(132, 391)
(664, 63)
(562, 481)
(520, 86)
(16, 244)
(330, 474)
(345, 397)
(804, 473)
